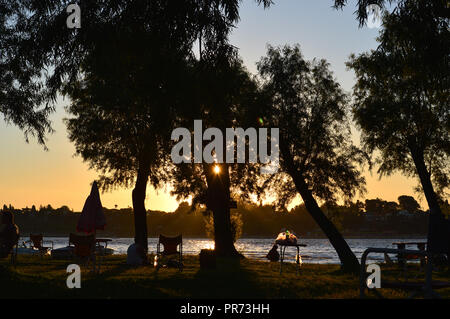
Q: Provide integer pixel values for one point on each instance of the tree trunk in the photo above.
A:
(218, 201)
(348, 259)
(436, 233)
(140, 213)
(425, 180)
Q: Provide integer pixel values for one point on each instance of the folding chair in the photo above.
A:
(37, 241)
(84, 249)
(170, 245)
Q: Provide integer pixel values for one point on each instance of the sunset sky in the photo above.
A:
(30, 175)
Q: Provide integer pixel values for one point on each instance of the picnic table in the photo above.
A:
(402, 257)
(283, 246)
(103, 240)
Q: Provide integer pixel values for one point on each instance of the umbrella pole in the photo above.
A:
(94, 254)
(95, 249)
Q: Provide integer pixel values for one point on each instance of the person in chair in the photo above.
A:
(9, 234)
(273, 254)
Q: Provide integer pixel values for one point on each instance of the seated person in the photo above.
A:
(9, 234)
(273, 254)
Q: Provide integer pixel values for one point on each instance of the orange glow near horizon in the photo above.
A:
(31, 176)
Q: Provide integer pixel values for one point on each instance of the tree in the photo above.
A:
(76, 62)
(317, 159)
(124, 105)
(402, 97)
(226, 88)
(390, 208)
(57, 54)
(139, 79)
(375, 206)
(380, 207)
(227, 91)
(63, 210)
(22, 96)
(362, 13)
(408, 203)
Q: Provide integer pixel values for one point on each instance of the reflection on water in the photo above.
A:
(317, 250)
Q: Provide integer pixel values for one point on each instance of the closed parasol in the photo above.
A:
(92, 217)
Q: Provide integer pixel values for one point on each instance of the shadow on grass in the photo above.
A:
(233, 278)
(230, 279)
(16, 285)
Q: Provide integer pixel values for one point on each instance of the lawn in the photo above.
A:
(46, 278)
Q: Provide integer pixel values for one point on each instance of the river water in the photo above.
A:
(317, 250)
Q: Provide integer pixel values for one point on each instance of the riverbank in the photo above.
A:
(46, 278)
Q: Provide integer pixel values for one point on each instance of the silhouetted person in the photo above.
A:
(273, 254)
(9, 234)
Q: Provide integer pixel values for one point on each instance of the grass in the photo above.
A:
(34, 277)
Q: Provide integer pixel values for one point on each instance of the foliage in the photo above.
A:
(23, 98)
(118, 126)
(39, 55)
(379, 207)
(256, 220)
(408, 203)
(228, 94)
(402, 97)
(361, 9)
(310, 109)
